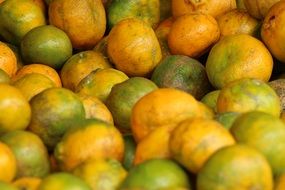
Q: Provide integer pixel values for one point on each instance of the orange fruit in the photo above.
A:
(30, 153)
(271, 30)
(134, 50)
(33, 84)
(89, 139)
(184, 73)
(161, 33)
(4, 77)
(18, 18)
(41, 69)
(79, 66)
(16, 108)
(193, 34)
(210, 99)
(148, 11)
(156, 174)
(207, 136)
(7, 164)
(101, 173)
(17, 53)
(238, 56)
(36, 46)
(265, 133)
(212, 7)
(8, 61)
(100, 82)
(259, 8)
(247, 95)
(54, 111)
(83, 21)
(7, 186)
(27, 183)
(63, 181)
(236, 167)
(162, 107)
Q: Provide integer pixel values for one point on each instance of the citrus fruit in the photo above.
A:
(95, 108)
(227, 118)
(83, 21)
(238, 56)
(36, 46)
(16, 108)
(79, 66)
(100, 82)
(193, 34)
(279, 86)
(63, 181)
(246, 95)
(273, 26)
(236, 167)
(30, 153)
(33, 84)
(212, 7)
(89, 139)
(8, 61)
(162, 107)
(41, 69)
(148, 11)
(54, 111)
(207, 136)
(8, 164)
(17, 53)
(4, 77)
(134, 50)
(130, 148)
(156, 174)
(279, 182)
(7, 186)
(264, 132)
(182, 72)
(259, 8)
(161, 33)
(27, 183)
(210, 99)
(18, 18)
(123, 97)
(101, 174)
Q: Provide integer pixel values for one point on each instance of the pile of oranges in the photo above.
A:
(142, 95)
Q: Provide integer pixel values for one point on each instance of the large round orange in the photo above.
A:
(8, 61)
(84, 21)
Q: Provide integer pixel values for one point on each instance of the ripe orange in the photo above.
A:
(8, 61)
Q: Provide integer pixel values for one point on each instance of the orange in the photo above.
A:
(100, 82)
(27, 183)
(54, 111)
(33, 84)
(79, 66)
(248, 95)
(259, 8)
(156, 174)
(4, 77)
(212, 7)
(95, 108)
(164, 107)
(18, 18)
(8, 61)
(264, 132)
(194, 141)
(7, 186)
(17, 53)
(30, 153)
(236, 167)
(238, 56)
(89, 139)
(83, 21)
(7, 164)
(161, 33)
(193, 34)
(15, 109)
(41, 69)
(134, 50)
(36, 46)
(272, 30)
(101, 174)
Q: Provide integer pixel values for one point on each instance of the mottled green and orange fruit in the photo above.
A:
(133, 47)
(8, 60)
(248, 95)
(89, 139)
(161, 33)
(79, 66)
(54, 111)
(18, 18)
(83, 21)
(27, 183)
(238, 56)
(8, 164)
(236, 167)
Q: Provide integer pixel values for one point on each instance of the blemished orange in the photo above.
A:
(193, 34)
(41, 69)
(8, 164)
(83, 21)
(8, 61)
